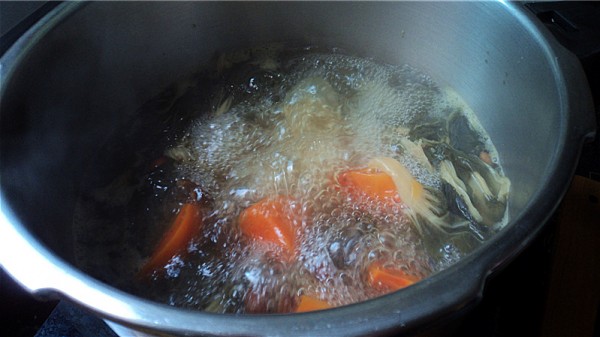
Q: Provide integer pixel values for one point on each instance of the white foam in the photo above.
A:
(335, 112)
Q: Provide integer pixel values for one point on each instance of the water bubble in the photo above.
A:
(290, 130)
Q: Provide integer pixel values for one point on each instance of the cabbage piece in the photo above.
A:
(483, 188)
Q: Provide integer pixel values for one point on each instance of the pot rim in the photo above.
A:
(453, 289)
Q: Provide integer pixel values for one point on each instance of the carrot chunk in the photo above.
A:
(389, 279)
(309, 303)
(371, 182)
(486, 157)
(270, 221)
(186, 225)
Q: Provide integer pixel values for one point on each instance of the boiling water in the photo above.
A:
(269, 122)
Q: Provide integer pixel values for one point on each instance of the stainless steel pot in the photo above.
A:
(85, 68)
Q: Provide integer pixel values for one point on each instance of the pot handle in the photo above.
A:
(35, 268)
(48, 277)
(31, 268)
(574, 44)
(579, 103)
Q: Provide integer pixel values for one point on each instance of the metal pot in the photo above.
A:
(85, 68)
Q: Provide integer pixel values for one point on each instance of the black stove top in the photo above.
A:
(513, 301)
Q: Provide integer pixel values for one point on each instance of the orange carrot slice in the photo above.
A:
(373, 183)
(485, 157)
(389, 279)
(269, 220)
(309, 303)
(187, 224)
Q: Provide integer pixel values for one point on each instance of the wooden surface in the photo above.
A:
(573, 298)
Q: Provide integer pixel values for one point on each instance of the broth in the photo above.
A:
(300, 175)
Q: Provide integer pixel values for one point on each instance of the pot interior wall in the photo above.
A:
(87, 76)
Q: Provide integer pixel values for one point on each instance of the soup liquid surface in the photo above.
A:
(307, 130)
